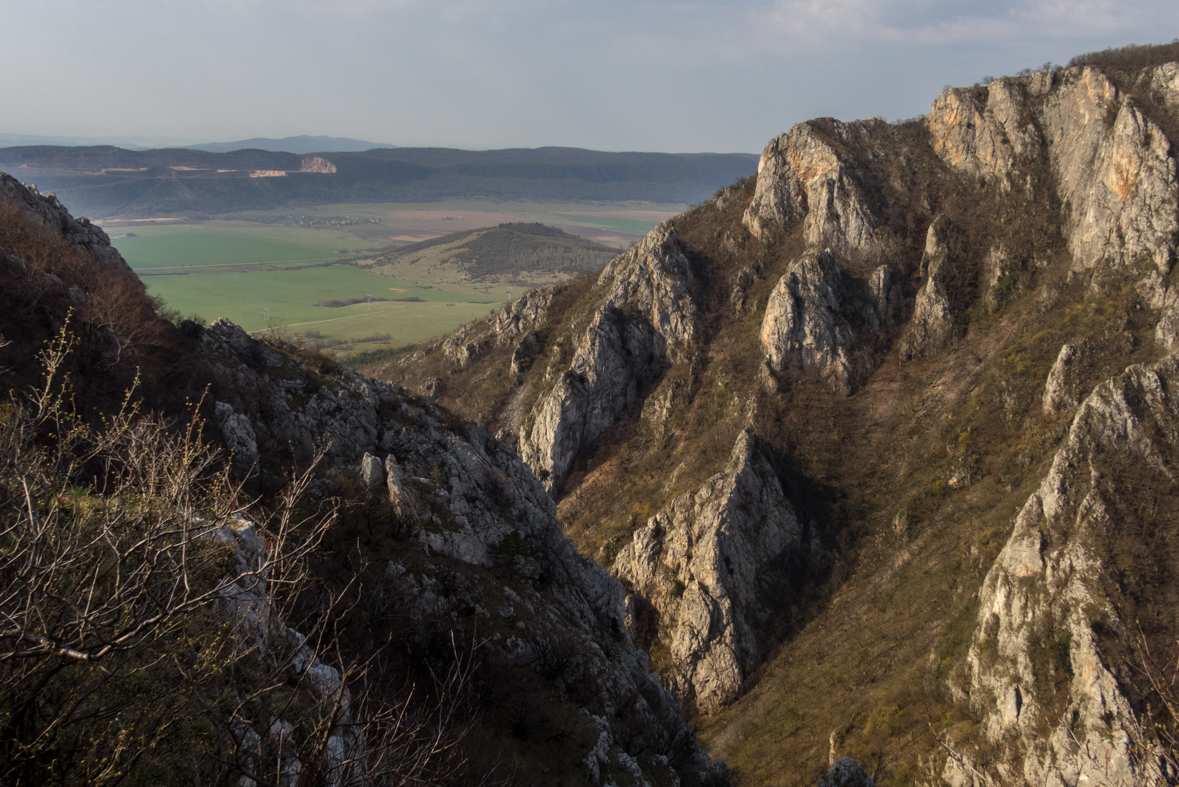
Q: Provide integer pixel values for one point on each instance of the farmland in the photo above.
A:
(174, 246)
(287, 300)
(271, 269)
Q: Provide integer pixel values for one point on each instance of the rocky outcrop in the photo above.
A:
(317, 164)
(1112, 165)
(1048, 593)
(1070, 136)
(886, 305)
(646, 315)
(465, 504)
(526, 351)
(705, 564)
(267, 743)
(1116, 174)
(943, 290)
(984, 131)
(807, 175)
(1166, 332)
(1163, 83)
(807, 331)
(1062, 390)
(519, 319)
(804, 332)
(846, 773)
(48, 211)
(653, 281)
(239, 437)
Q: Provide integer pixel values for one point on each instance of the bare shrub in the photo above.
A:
(143, 619)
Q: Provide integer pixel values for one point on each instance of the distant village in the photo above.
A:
(337, 221)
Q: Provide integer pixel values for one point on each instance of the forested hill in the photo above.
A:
(104, 181)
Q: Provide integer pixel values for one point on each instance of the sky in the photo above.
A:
(648, 75)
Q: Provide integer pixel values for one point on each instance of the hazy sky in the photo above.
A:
(723, 76)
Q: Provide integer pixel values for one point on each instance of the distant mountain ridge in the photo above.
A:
(128, 143)
(300, 144)
(105, 181)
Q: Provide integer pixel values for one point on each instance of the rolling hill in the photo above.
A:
(515, 252)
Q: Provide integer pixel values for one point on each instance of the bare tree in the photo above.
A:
(143, 634)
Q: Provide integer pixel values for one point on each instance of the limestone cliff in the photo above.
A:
(806, 331)
(468, 505)
(520, 319)
(809, 175)
(912, 318)
(708, 565)
(940, 300)
(644, 316)
(1054, 594)
(1113, 165)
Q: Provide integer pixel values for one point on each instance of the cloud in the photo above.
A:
(453, 10)
(934, 23)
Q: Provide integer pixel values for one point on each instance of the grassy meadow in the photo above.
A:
(287, 300)
(266, 272)
(172, 246)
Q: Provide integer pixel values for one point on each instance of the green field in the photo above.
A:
(614, 223)
(286, 300)
(263, 271)
(630, 226)
(231, 243)
(266, 277)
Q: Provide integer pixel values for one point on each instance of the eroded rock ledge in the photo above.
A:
(703, 564)
(1048, 596)
(647, 315)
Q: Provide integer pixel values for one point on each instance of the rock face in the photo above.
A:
(239, 437)
(1118, 178)
(1062, 389)
(1048, 594)
(646, 315)
(49, 212)
(466, 500)
(807, 330)
(705, 564)
(807, 175)
(983, 132)
(1113, 166)
(941, 295)
(474, 340)
(846, 773)
(803, 331)
(1110, 165)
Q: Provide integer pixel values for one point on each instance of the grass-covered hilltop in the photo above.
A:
(862, 471)
(517, 251)
(881, 443)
